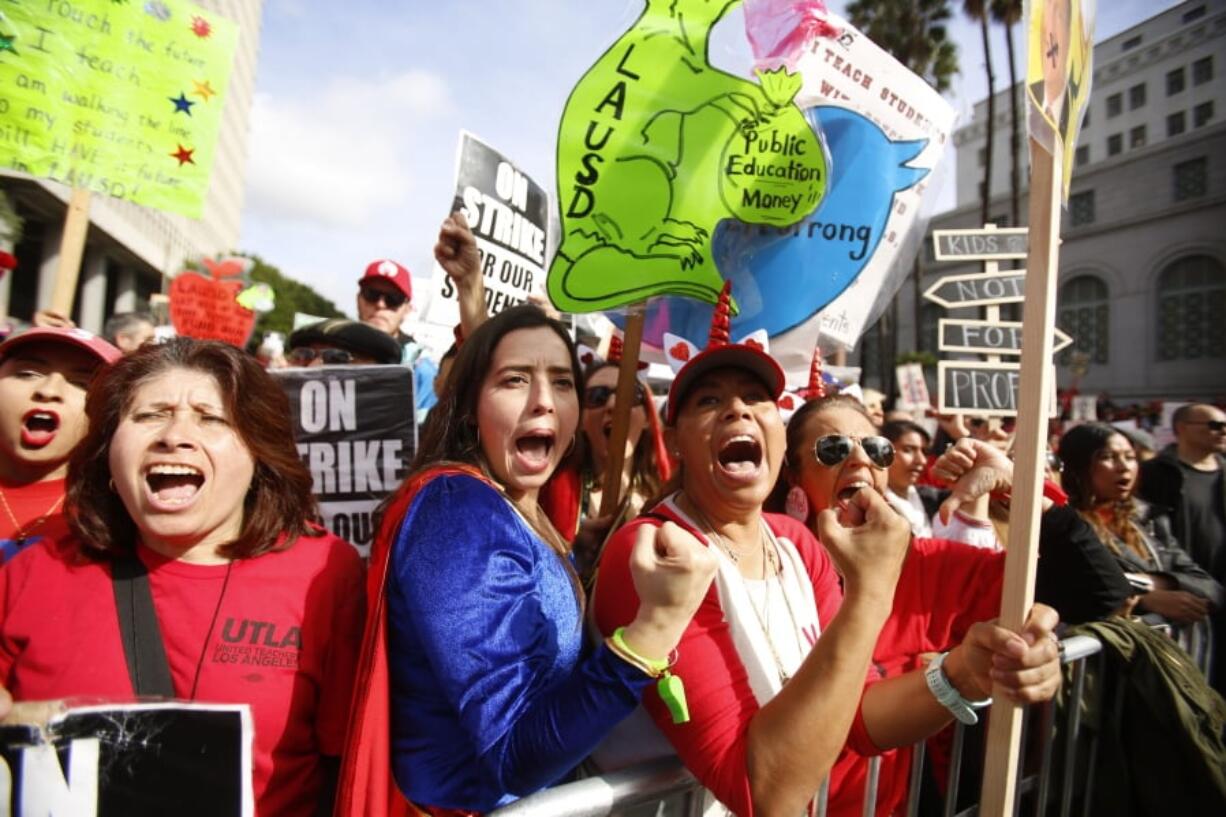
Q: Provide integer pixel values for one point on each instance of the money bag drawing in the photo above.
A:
(656, 147)
(783, 277)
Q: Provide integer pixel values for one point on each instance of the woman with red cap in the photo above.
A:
(776, 659)
(44, 373)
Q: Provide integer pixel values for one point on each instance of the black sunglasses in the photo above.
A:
(597, 396)
(1214, 425)
(331, 357)
(394, 300)
(834, 448)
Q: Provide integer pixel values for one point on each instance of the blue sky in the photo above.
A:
(357, 111)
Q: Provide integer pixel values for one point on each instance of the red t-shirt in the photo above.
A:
(285, 641)
(714, 743)
(28, 502)
(943, 589)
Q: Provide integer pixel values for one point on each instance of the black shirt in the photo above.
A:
(1204, 518)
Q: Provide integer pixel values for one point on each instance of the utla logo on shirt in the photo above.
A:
(250, 642)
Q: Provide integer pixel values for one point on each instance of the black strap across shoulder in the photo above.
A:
(138, 627)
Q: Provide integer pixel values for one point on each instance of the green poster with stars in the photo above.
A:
(120, 97)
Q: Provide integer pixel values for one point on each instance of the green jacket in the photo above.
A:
(1161, 747)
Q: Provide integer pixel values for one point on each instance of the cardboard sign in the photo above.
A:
(656, 146)
(136, 760)
(912, 387)
(981, 388)
(355, 430)
(1059, 71)
(977, 289)
(123, 99)
(509, 216)
(988, 337)
(207, 307)
(980, 245)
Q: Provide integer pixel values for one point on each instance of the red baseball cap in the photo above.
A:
(385, 269)
(80, 338)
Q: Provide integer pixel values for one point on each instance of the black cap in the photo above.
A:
(352, 336)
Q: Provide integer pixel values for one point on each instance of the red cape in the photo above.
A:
(366, 787)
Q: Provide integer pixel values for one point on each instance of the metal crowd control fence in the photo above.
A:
(641, 790)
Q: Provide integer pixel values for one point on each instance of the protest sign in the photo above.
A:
(355, 430)
(509, 216)
(207, 307)
(912, 387)
(138, 760)
(1058, 75)
(123, 99)
(977, 289)
(982, 388)
(656, 147)
(980, 245)
(885, 131)
(988, 337)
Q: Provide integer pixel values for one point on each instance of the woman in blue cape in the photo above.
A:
(477, 688)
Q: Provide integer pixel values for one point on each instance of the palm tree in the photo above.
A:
(914, 32)
(978, 10)
(1008, 13)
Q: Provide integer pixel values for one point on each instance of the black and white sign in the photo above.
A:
(988, 337)
(978, 289)
(980, 388)
(355, 430)
(509, 215)
(131, 760)
(980, 245)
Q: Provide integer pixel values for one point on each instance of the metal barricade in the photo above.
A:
(667, 781)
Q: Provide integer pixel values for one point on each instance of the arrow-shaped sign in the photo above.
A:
(981, 388)
(988, 337)
(985, 245)
(977, 289)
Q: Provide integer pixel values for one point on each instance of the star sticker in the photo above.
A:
(182, 103)
(184, 155)
(201, 27)
(204, 90)
(6, 43)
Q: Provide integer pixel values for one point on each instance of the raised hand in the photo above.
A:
(974, 468)
(456, 250)
(867, 539)
(672, 572)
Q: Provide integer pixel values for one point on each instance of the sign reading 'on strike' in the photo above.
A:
(355, 430)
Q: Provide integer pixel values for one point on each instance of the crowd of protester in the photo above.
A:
(773, 602)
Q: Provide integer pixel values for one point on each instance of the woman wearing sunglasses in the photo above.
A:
(776, 659)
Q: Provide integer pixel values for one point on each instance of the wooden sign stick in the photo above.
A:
(1000, 772)
(72, 247)
(627, 377)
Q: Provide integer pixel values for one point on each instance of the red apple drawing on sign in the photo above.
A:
(205, 307)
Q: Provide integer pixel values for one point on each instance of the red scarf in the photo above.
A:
(366, 787)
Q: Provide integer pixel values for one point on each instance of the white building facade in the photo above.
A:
(129, 248)
(1142, 279)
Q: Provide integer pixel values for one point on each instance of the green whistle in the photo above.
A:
(672, 692)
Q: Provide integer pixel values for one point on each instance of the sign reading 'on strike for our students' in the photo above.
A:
(117, 98)
(509, 216)
(355, 430)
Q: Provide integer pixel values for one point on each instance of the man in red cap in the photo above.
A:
(44, 373)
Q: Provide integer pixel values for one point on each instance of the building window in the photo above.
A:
(1174, 81)
(1191, 301)
(1202, 70)
(1115, 105)
(1081, 208)
(1115, 144)
(1191, 179)
(1194, 14)
(1136, 96)
(1136, 137)
(1175, 124)
(1085, 314)
(1202, 113)
(1131, 43)
(1082, 157)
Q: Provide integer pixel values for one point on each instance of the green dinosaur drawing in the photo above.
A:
(656, 147)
